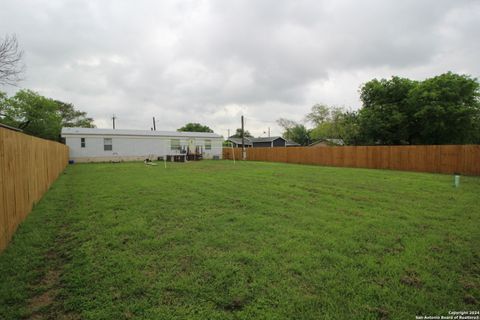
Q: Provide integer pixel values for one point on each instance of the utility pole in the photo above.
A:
(113, 120)
(154, 126)
(228, 133)
(269, 132)
(243, 141)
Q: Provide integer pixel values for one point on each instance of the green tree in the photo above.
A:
(447, 110)
(328, 121)
(33, 113)
(386, 116)
(238, 134)
(323, 131)
(195, 127)
(294, 131)
(73, 118)
(440, 110)
(298, 133)
(348, 128)
(40, 116)
(319, 114)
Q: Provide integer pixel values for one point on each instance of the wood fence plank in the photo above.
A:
(28, 166)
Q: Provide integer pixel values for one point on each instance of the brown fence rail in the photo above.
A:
(464, 159)
(28, 166)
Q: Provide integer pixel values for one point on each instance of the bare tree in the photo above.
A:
(286, 124)
(11, 66)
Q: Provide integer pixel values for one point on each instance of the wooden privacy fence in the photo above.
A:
(28, 166)
(464, 159)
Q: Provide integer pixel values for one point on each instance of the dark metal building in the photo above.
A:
(263, 142)
(268, 142)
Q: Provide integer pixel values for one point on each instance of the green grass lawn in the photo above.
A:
(210, 240)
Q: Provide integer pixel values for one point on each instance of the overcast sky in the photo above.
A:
(212, 61)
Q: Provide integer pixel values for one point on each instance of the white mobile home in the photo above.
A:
(99, 145)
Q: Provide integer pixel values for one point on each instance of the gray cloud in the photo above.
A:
(211, 61)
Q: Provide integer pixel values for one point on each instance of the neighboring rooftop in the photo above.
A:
(248, 141)
(291, 143)
(330, 141)
(125, 132)
(266, 139)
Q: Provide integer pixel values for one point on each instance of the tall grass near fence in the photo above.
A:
(28, 166)
(464, 159)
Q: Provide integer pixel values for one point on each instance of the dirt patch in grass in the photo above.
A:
(412, 279)
(396, 248)
(46, 304)
(38, 303)
(381, 313)
(467, 285)
(236, 304)
(350, 212)
(469, 299)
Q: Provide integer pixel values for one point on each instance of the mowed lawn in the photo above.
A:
(210, 240)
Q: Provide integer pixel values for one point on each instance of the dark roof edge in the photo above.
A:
(266, 139)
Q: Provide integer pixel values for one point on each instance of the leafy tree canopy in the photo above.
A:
(238, 134)
(40, 116)
(446, 109)
(441, 110)
(386, 114)
(319, 114)
(294, 131)
(195, 127)
(73, 118)
(329, 122)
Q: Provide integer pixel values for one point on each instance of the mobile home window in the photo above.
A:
(107, 144)
(208, 144)
(175, 144)
(82, 142)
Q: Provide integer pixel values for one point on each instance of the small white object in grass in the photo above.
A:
(456, 180)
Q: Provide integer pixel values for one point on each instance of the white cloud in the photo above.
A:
(211, 61)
